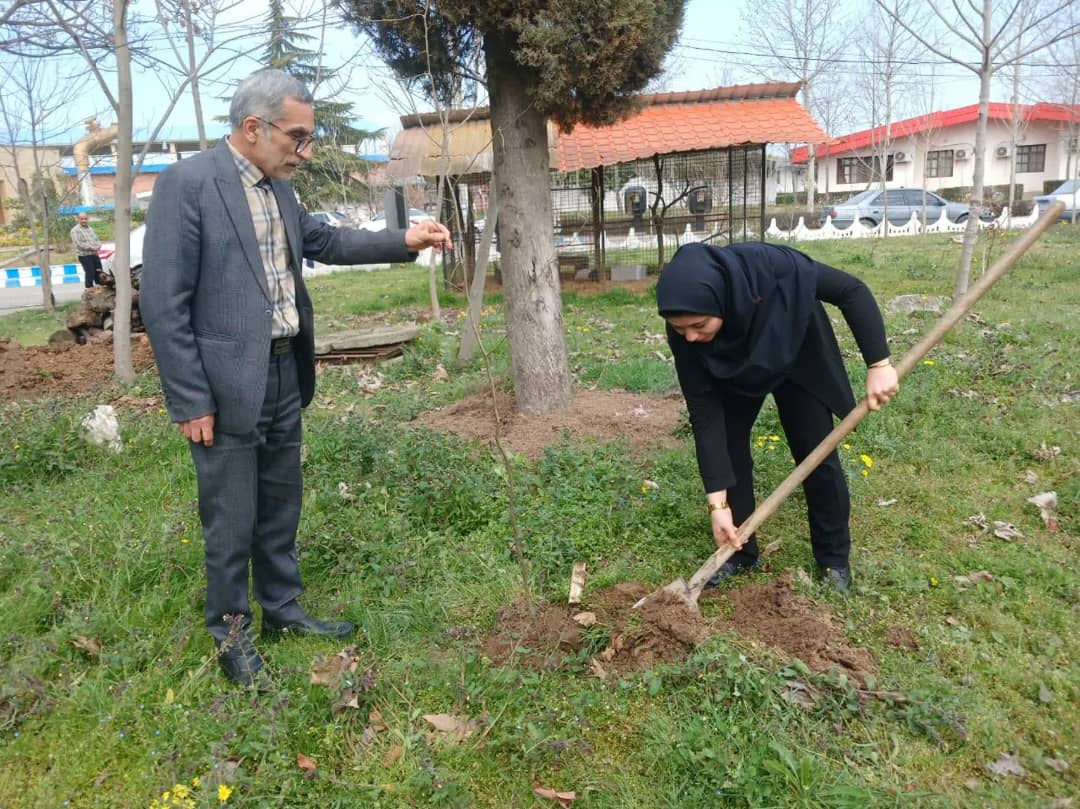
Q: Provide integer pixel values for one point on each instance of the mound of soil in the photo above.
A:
(62, 370)
(788, 622)
(601, 415)
(663, 630)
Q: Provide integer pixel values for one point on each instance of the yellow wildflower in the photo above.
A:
(933, 581)
(866, 473)
(846, 446)
(223, 792)
(774, 438)
(867, 460)
(195, 782)
(929, 362)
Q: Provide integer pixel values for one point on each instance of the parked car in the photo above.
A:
(108, 250)
(869, 207)
(1069, 193)
(379, 222)
(332, 218)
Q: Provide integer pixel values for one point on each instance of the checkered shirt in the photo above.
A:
(273, 246)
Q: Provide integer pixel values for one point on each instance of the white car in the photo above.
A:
(1068, 192)
(332, 218)
(379, 222)
(108, 250)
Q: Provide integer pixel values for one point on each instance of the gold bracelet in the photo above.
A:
(718, 506)
(880, 363)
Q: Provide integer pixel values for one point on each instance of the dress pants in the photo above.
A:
(91, 264)
(250, 492)
(806, 421)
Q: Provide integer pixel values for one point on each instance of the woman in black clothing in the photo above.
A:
(744, 321)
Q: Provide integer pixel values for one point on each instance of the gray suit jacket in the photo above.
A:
(204, 296)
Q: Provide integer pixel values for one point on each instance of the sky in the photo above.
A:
(709, 53)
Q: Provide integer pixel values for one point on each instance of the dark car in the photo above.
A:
(869, 207)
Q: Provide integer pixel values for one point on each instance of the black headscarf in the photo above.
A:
(765, 294)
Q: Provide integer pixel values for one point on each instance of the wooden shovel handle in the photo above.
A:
(961, 306)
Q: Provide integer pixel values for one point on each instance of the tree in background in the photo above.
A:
(329, 176)
(991, 37)
(571, 61)
(802, 40)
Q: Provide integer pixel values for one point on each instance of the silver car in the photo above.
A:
(869, 207)
(1069, 193)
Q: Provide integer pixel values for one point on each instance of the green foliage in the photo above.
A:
(582, 61)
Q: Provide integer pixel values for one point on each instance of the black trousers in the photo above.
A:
(806, 421)
(91, 264)
(250, 492)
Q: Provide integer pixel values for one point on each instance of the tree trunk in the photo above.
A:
(811, 162)
(534, 319)
(122, 364)
(196, 100)
(971, 233)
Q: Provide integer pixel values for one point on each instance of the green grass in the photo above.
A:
(107, 548)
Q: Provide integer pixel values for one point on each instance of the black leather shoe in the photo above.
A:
(838, 578)
(307, 625)
(730, 569)
(240, 661)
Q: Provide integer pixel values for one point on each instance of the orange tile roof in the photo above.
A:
(663, 128)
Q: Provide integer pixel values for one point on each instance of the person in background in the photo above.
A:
(745, 321)
(86, 244)
(231, 325)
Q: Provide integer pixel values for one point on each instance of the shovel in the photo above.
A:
(688, 592)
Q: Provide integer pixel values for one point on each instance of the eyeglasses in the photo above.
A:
(301, 142)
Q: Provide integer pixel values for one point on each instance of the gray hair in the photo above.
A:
(263, 94)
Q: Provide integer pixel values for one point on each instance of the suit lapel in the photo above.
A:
(286, 202)
(239, 212)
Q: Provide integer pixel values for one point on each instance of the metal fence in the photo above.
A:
(630, 218)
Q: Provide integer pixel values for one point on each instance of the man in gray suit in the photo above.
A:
(231, 325)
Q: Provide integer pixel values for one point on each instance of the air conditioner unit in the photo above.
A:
(901, 157)
(1074, 144)
(961, 154)
(1001, 151)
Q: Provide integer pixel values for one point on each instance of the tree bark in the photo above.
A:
(123, 367)
(534, 319)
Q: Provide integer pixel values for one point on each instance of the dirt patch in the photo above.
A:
(663, 630)
(601, 415)
(788, 622)
(63, 370)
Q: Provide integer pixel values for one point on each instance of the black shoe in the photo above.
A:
(240, 661)
(729, 569)
(307, 625)
(838, 578)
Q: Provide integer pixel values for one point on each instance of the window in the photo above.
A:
(940, 163)
(1031, 158)
(851, 170)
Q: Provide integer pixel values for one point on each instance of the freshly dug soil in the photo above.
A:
(644, 421)
(62, 370)
(663, 630)
(773, 614)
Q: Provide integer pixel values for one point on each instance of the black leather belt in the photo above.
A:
(281, 345)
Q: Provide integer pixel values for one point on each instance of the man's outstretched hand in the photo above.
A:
(428, 233)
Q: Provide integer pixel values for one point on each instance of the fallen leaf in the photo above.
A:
(973, 784)
(1007, 764)
(1056, 764)
(1045, 453)
(309, 765)
(952, 621)
(452, 729)
(170, 696)
(1045, 694)
(1030, 477)
(598, 670)
(367, 738)
(979, 521)
(797, 693)
(892, 501)
(440, 374)
(393, 755)
(973, 578)
(772, 547)
(562, 798)
(650, 484)
(349, 700)
(585, 619)
(1006, 530)
(92, 646)
(577, 583)
(802, 577)
(344, 493)
(375, 718)
(1061, 803)
(1048, 506)
(328, 671)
